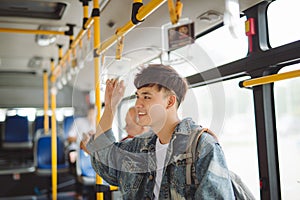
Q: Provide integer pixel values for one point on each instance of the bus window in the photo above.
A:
(222, 47)
(283, 16)
(238, 138)
(2, 114)
(231, 116)
(287, 109)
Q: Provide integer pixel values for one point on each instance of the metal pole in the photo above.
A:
(96, 16)
(53, 135)
(270, 78)
(46, 103)
(144, 11)
(29, 31)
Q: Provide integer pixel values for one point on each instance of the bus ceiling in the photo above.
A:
(68, 18)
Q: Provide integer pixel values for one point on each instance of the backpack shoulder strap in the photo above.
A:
(241, 191)
(191, 150)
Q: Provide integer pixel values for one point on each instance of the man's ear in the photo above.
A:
(171, 101)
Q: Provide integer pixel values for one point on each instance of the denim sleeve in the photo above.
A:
(111, 159)
(102, 141)
(212, 172)
(101, 156)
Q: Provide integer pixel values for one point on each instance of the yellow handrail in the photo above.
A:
(75, 42)
(53, 135)
(46, 104)
(270, 79)
(175, 11)
(29, 31)
(119, 49)
(172, 12)
(143, 12)
(87, 25)
(99, 195)
(82, 32)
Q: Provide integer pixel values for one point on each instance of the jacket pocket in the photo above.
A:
(131, 175)
(130, 182)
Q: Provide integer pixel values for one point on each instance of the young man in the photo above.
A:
(150, 166)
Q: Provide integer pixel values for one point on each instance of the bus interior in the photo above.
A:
(240, 58)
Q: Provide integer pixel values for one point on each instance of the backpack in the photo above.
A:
(241, 191)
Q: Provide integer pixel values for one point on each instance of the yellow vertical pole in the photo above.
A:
(96, 16)
(85, 5)
(46, 103)
(53, 134)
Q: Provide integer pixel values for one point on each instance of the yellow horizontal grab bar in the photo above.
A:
(29, 31)
(270, 79)
(75, 42)
(143, 12)
(113, 188)
(82, 32)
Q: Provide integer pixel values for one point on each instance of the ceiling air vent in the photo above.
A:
(32, 9)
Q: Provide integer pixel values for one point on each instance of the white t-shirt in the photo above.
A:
(160, 153)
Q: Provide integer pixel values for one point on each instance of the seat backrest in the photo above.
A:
(42, 153)
(67, 124)
(39, 123)
(16, 132)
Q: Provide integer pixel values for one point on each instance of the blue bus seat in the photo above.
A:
(42, 155)
(86, 175)
(16, 133)
(39, 126)
(67, 124)
(39, 123)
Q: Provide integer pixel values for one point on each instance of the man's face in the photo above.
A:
(151, 107)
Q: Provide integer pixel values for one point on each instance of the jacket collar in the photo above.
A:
(185, 127)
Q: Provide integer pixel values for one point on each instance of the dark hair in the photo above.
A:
(164, 76)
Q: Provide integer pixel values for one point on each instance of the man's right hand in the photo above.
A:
(114, 92)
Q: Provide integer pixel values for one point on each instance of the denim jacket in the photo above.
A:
(131, 165)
